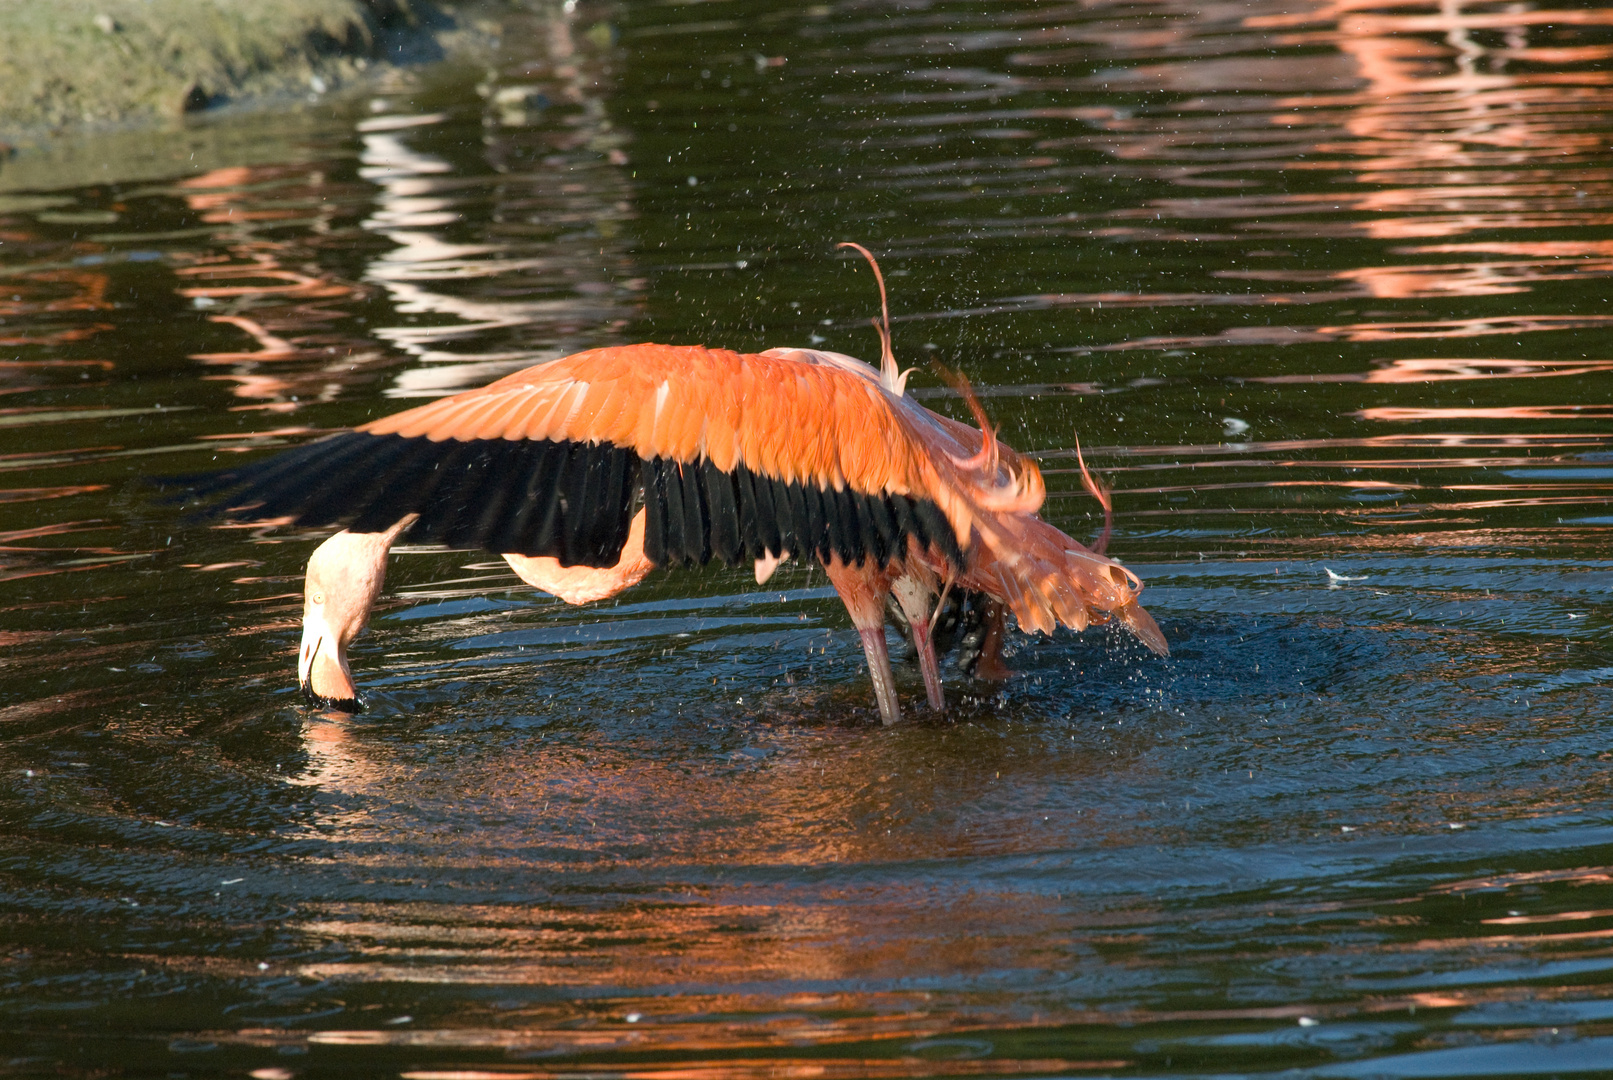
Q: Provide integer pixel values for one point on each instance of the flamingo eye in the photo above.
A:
(319, 598)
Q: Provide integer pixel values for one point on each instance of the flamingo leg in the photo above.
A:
(990, 666)
(879, 670)
(862, 589)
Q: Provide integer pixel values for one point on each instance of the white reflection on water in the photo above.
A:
(567, 271)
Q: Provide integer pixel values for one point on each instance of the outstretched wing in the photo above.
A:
(733, 456)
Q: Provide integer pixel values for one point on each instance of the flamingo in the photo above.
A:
(587, 472)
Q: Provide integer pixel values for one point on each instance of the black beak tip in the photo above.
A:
(322, 703)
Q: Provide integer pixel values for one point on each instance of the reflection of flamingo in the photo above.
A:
(591, 470)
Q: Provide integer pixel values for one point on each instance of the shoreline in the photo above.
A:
(80, 69)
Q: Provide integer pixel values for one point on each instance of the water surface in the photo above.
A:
(1323, 290)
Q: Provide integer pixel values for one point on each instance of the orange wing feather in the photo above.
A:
(791, 414)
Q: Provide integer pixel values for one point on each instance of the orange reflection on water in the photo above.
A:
(270, 346)
(220, 207)
(41, 291)
(297, 285)
(1399, 440)
(1584, 875)
(23, 560)
(729, 1022)
(1403, 414)
(285, 391)
(1544, 249)
(1451, 370)
(1359, 332)
(9, 495)
(29, 294)
(1329, 463)
(275, 289)
(1448, 370)
(1362, 485)
(1587, 499)
(1434, 120)
(1438, 280)
(1554, 917)
(55, 337)
(780, 1069)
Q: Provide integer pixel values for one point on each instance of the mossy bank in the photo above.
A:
(74, 64)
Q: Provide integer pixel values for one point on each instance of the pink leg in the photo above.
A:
(990, 666)
(862, 589)
(879, 669)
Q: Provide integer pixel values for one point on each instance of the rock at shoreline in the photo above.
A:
(74, 63)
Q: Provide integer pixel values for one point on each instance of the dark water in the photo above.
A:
(1321, 288)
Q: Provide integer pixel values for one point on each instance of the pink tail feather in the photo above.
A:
(1101, 493)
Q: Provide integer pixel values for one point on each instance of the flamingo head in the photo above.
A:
(322, 671)
(342, 582)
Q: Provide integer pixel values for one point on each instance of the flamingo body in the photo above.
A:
(588, 471)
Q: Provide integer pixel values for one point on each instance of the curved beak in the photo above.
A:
(322, 670)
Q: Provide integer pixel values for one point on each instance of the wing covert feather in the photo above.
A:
(779, 416)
